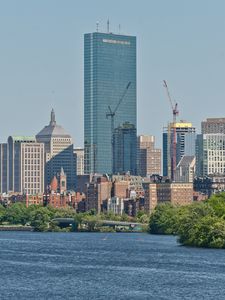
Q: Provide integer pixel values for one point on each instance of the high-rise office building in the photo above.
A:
(125, 149)
(58, 152)
(148, 157)
(213, 125)
(79, 158)
(185, 144)
(109, 66)
(32, 168)
(210, 154)
(210, 148)
(3, 168)
(25, 165)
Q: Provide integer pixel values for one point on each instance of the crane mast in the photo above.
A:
(112, 114)
(175, 112)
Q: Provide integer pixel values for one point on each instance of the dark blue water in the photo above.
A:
(107, 266)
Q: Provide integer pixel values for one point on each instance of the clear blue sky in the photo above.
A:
(41, 60)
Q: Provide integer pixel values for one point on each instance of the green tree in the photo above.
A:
(92, 222)
(217, 202)
(143, 218)
(163, 220)
(17, 214)
(190, 222)
(40, 219)
(2, 213)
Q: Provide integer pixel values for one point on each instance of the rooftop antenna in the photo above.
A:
(108, 26)
(97, 26)
(52, 98)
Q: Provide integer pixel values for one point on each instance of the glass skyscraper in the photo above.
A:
(109, 65)
(125, 149)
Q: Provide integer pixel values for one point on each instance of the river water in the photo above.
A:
(107, 266)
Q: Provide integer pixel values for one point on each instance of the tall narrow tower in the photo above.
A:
(109, 64)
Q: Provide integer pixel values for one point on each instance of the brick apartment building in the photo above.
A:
(167, 192)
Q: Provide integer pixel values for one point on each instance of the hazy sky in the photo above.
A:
(41, 60)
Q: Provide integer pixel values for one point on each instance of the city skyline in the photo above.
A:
(42, 65)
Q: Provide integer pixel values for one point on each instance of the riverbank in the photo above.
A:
(16, 228)
(199, 224)
(51, 219)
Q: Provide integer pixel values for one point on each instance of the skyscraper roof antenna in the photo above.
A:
(108, 26)
(97, 26)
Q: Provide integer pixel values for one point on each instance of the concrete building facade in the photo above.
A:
(185, 144)
(148, 157)
(210, 148)
(3, 168)
(174, 193)
(79, 158)
(25, 165)
(213, 125)
(210, 154)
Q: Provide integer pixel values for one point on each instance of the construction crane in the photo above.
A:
(112, 114)
(174, 107)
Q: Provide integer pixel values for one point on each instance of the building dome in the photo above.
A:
(53, 130)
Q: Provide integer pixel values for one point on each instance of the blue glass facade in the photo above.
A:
(125, 149)
(109, 65)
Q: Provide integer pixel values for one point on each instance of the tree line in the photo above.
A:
(201, 224)
(40, 218)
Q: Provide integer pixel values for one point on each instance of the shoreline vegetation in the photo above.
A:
(44, 219)
(201, 224)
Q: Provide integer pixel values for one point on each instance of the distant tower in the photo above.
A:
(25, 165)
(62, 181)
(109, 65)
(58, 152)
(210, 148)
(185, 144)
(148, 157)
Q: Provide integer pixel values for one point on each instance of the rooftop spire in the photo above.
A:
(62, 172)
(53, 121)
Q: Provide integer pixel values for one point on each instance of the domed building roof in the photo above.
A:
(53, 130)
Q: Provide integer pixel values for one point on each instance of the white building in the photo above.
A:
(79, 157)
(32, 168)
(25, 165)
(210, 154)
(115, 205)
